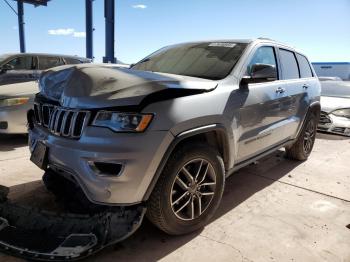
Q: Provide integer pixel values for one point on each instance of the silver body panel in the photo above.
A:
(255, 119)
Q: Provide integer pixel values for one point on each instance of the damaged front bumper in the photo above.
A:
(334, 124)
(37, 234)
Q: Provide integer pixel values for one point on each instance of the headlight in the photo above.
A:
(14, 101)
(342, 112)
(123, 122)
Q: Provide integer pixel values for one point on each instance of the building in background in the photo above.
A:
(333, 69)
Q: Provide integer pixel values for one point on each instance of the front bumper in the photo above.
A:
(139, 155)
(13, 119)
(63, 236)
(334, 124)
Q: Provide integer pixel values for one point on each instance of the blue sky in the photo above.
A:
(320, 28)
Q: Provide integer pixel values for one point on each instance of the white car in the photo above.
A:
(18, 85)
(335, 107)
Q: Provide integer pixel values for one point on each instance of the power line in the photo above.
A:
(11, 7)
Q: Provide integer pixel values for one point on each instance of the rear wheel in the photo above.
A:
(188, 191)
(302, 148)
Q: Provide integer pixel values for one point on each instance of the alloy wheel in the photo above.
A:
(309, 137)
(193, 189)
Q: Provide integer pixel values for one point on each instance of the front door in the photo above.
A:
(260, 115)
(19, 69)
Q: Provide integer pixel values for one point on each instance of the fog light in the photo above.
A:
(106, 169)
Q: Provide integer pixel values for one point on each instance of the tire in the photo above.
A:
(166, 205)
(302, 148)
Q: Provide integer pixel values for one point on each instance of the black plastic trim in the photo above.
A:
(180, 137)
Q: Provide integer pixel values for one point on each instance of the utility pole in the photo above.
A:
(109, 23)
(20, 14)
(89, 28)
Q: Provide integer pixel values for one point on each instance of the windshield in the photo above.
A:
(336, 88)
(211, 60)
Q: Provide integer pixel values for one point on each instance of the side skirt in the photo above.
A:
(255, 158)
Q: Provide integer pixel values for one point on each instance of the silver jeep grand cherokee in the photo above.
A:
(167, 132)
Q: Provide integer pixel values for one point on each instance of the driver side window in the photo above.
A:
(21, 63)
(263, 55)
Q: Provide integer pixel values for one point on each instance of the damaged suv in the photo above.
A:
(162, 136)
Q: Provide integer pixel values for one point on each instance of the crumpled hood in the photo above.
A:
(92, 86)
(19, 89)
(329, 103)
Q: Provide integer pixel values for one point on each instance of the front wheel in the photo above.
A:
(188, 191)
(302, 148)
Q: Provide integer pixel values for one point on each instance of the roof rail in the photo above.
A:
(265, 38)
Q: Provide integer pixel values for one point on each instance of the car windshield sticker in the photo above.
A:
(230, 45)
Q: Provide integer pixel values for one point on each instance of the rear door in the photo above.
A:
(46, 62)
(296, 82)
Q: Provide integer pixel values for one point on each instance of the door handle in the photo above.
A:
(305, 86)
(280, 90)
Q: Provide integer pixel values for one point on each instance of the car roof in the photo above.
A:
(246, 41)
(46, 54)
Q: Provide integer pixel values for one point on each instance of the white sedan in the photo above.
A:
(335, 107)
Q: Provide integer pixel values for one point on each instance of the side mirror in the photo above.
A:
(260, 73)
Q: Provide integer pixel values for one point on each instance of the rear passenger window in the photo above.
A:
(46, 62)
(304, 66)
(289, 65)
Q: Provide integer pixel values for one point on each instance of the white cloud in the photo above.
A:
(139, 6)
(15, 27)
(79, 34)
(61, 31)
(67, 32)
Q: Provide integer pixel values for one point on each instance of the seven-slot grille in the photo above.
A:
(61, 121)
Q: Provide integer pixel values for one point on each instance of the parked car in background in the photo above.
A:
(333, 69)
(17, 68)
(329, 78)
(335, 107)
(18, 75)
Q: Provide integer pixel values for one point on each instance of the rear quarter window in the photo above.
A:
(304, 66)
(289, 64)
(72, 61)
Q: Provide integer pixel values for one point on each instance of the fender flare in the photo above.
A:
(314, 107)
(180, 137)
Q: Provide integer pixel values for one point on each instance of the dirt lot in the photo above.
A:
(275, 210)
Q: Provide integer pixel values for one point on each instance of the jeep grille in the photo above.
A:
(61, 121)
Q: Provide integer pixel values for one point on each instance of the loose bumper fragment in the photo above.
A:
(47, 236)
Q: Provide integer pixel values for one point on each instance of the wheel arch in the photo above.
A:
(215, 135)
(314, 108)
